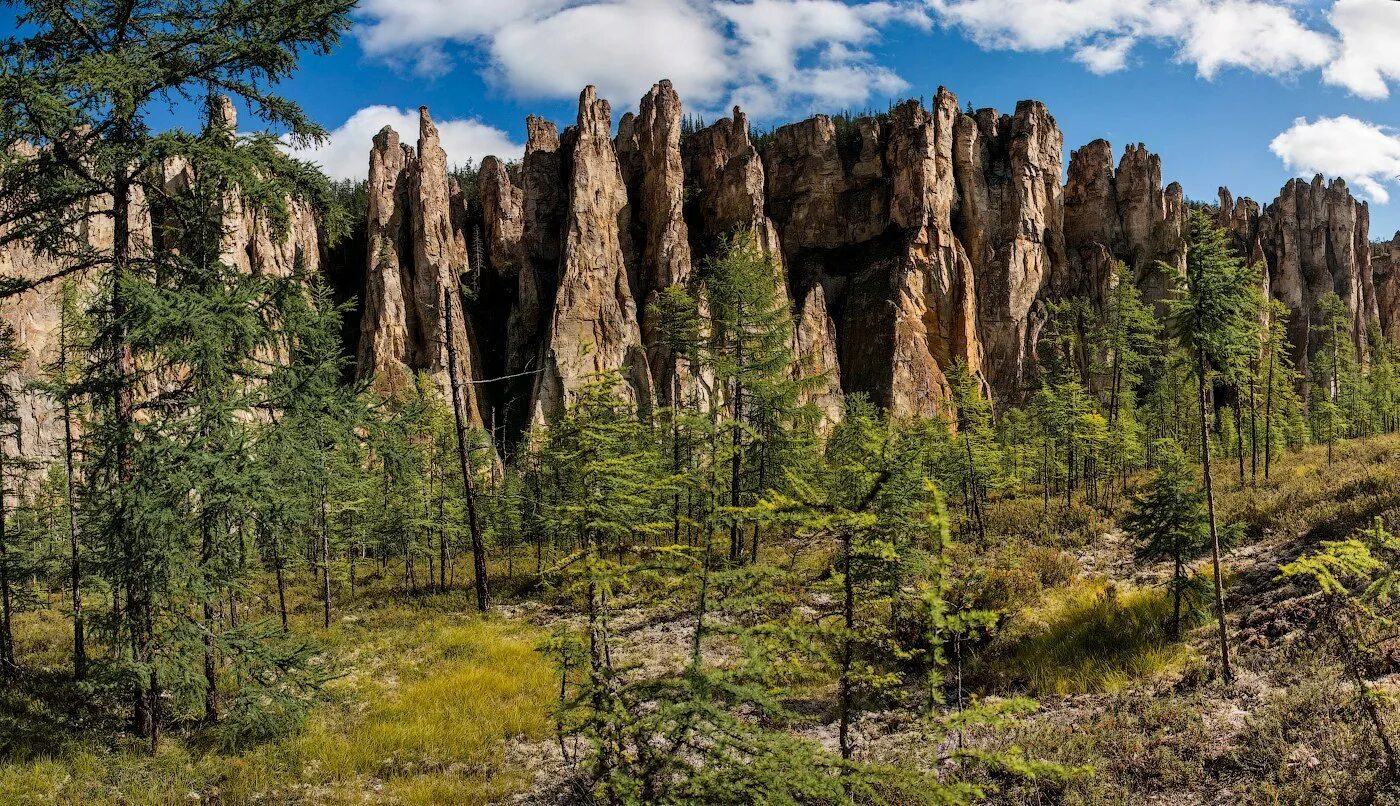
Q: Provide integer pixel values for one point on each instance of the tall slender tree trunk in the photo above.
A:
(211, 671)
(8, 667)
(75, 566)
(278, 565)
(845, 687)
(325, 562)
(1214, 532)
(483, 599)
(1253, 433)
(1269, 415)
(124, 362)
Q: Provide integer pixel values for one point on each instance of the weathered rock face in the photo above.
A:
(1121, 216)
(417, 257)
(385, 349)
(1312, 240)
(595, 325)
(659, 212)
(1010, 222)
(815, 351)
(250, 244)
(1385, 271)
(728, 174)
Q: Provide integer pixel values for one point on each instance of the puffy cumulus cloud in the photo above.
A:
(1106, 56)
(1370, 50)
(1365, 154)
(345, 155)
(774, 56)
(621, 47)
(1265, 36)
(783, 56)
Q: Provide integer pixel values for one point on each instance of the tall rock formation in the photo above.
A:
(1122, 215)
(907, 242)
(1313, 239)
(1010, 221)
(250, 243)
(1385, 271)
(729, 178)
(386, 351)
(663, 245)
(595, 323)
(417, 253)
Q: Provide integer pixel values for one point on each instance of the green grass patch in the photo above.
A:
(1091, 636)
(429, 700)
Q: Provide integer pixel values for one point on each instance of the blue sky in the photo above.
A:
(1244, 93)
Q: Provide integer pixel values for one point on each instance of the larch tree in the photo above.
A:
(79, 87)
(1214, 318)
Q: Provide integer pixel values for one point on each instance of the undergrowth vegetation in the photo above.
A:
(424, 706)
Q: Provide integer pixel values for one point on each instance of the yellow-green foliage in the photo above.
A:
(1305, 494)
(1088, 637)
(429, 701)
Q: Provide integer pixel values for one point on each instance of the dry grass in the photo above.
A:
(429, 700)
(1087, 637)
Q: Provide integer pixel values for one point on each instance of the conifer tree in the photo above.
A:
(748, 347)
(78, 89)
(1214, 319)
(1338, 569)
(1170, 522)
(11, 358)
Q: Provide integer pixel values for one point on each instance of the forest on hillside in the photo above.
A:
(1168, 574)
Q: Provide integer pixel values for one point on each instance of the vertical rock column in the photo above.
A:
(1011, 223)
(385, 354)
(594, 325)
(665, 250)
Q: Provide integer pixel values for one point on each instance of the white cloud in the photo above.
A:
(346, 154)
(620, 47)
(1370, 51)
(778, 55)
(785, 56)
(1107, 56)
(1264, 36)
(1365, 154)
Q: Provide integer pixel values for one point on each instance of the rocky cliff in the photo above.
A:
(1314, 239)
(249, 244)
(907, 242)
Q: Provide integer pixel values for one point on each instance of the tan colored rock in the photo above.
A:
(1121, 215)
(729, 177)
(386, 351)
(816, 354)
(417, 248)
(665, 258)
(1008, 172)
(1385, 273)
(1316, 239)
(826, 194)
(1092, 225)
(503, 215)
(594, 326)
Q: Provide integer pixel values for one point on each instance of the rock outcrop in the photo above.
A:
(658, 210)
(417, 258)
(1010, 222)
(595, 326)
(906, 243)
(250, 243)
(1313, 239)
(1123, 215)
(1385, 273)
